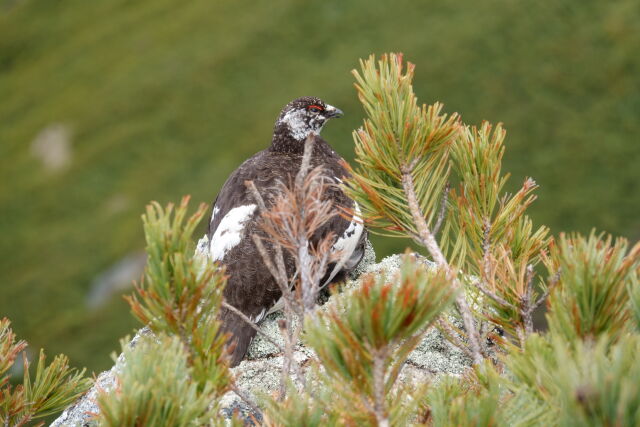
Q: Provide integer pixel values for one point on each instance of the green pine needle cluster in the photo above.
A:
(579, 383)
(454, 402)
(487, 232)
(363, 340)
(380, 313)
(397, 135)
(54, 386)
(301, 408)
(156, 388)
(483, 216)
(552, 382)
(181, 293)
(598, 278)
(176, 377)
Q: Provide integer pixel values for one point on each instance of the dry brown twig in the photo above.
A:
(296, 213)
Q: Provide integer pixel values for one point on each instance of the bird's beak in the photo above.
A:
(332, 112)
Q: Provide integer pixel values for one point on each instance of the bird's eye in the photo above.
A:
(315, 108)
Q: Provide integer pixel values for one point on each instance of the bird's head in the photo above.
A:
(303, 117)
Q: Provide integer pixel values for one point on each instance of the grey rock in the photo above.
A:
(81, 412)
(260, 372)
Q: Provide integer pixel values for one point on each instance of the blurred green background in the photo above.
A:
(106, 105)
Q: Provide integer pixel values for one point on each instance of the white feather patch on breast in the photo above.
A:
(230, 231)
(347, 244)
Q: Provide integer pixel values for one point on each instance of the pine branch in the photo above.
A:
(246, 399)
(596, 273)
(379, 392)
(527, 305)
(454, 338)
(366, 335)
(181, 293)
(429, 241)
(443, 209)
(55, 385)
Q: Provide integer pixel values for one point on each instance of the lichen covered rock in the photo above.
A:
(260, 371)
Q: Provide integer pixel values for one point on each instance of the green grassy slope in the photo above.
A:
(166, 98)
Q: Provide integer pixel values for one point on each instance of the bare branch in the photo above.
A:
(282, 281)
(453, 336)
(309, 287)
(443, 208)
(288, 356)
(279, 258)
(291, 336)
(306, 162)
(379, 394)
(481, 286)
(282, 270)
(527, 307)
(251, 323)
(256, 410)
(294, 215)
(429, 241)
(256, 195)
(552, 283)
(486, 249)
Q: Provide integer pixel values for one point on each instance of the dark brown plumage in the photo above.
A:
(250, 286)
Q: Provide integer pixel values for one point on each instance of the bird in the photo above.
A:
(235, 216)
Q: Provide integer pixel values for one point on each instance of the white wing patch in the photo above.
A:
(347, 244)
(230, 231)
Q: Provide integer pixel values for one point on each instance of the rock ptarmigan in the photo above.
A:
(250, 287)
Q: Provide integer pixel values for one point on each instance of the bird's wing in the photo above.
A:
(232, 211)
(350, 245)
